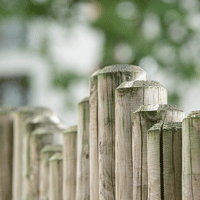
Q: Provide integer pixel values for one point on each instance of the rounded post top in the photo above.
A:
(71, 129)
(84, 100)
(50, 129)
(138, 84)
(194, 114)
(30, 109)
(56, 156)
(52, 148)
(95, 74)
(121, 68)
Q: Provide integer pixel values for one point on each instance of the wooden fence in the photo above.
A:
(129, 144)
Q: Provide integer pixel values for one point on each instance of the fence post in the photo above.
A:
(40, 137)
(93, 137)
(6, 152)
(19, 117)
(83, 184)
(56, 177)
(45, 155)
(109, 79)
(164, 142)
(129, 96)
(69, 163)
(191, 156)
(142, 120)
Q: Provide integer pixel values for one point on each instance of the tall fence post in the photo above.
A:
(109, 79)
(56, 177)
(20, 116)
(93, 137)
(165, 161)
(69, 163)
(45, 155)
(6, 152)
(40, 137)
(142, 120)
(129, 97)
(82, 183)
(191, 157)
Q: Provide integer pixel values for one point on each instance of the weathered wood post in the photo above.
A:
(40, 137)
(6, 152)
(83, 184)
(45, 155)
(109, 79)
(93, 137)
(191, 157)
(19, 117)
(56, 177)
(142, 120)
(164, 142)
(69, 163)
(129, 96)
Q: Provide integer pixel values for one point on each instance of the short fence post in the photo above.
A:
(82, 183)
(142, 120)
(191, 157)
(164, 142)
(6, 152)
(56, 177)
(39, 139)
(93, 138)
(129, 97)
(20, 116)
(45, 155)
(69, 163)
(109, 79)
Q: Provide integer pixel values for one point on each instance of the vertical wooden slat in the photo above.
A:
(129, 97)
(6, 152)
(93, 137)
(69, 163)
(108, 80)
(45, 155)
(83, 184)
(191, 157)
(142, 120)
(56, 177)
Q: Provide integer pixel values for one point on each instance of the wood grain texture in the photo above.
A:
(56, 177)
(191, 157)
(93, 137)
(142, 120)
(69, 163)
(83, 169)
(165, 161)
(129, 97)
(39, 139)
(19, 118)
(108, 80)
(6, 152)
(45, 155)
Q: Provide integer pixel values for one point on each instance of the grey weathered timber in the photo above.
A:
(6, 152)
(69, 163)
(30, 124)
(109, 79)
(93, 137)
(83, 184)
(191, 157)
(56, 177)
(164, 142)
(142, 120)
(20, 116)
(40, 137)
(129, 97)
(45, 155)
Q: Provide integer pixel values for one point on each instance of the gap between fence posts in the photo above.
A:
(129, 96)
(82, 182)
(142, 120)
(69, 163)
